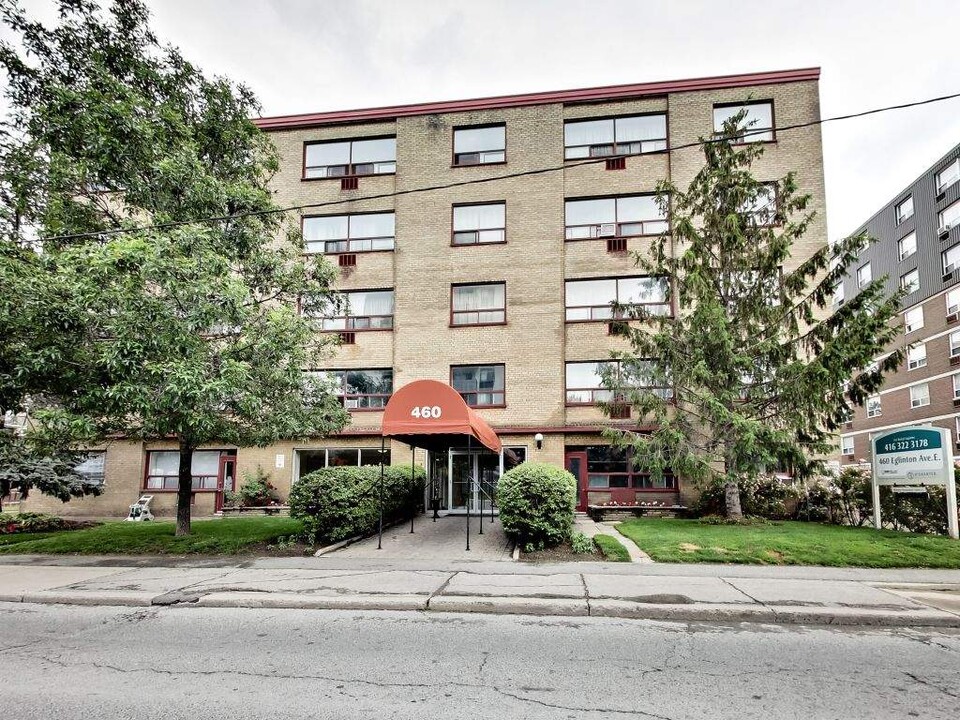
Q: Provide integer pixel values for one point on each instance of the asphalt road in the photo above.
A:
(67, 662)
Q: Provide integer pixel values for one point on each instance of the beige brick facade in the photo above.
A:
(535, 342)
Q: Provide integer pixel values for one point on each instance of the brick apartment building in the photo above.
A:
(918, 249)
(500, 288)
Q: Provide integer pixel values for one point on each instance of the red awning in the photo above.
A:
(432, 415)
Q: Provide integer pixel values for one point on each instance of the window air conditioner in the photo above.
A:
(351, 403)
(607, 229)
(948, 272)
(944, 232)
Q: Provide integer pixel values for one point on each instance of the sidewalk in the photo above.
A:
(705, 593)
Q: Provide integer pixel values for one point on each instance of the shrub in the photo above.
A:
(763, 496)
(342, 502)
(536, 504)
(30, 522)
(255, 490)
(581, 544)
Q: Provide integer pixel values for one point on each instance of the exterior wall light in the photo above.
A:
(538, 439)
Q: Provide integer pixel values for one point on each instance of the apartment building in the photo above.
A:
(917, 249)
(481, 243)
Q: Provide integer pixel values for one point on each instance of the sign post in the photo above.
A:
(914, 456)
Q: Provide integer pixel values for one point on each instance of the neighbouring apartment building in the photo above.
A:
(917, 249)
(499, 280)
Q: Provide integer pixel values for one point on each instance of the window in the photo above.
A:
(610, 467)
(838, 298)
(873, 406)
(919, 395)
(956, 386)
(953, 301)
(484, 304)
(907, 245)
(584, 380)
(163, 468)
(614, 136)
(91, 468)
(592, 299)
(310, 459)
(913, 319)
(905, 210)
(376, 156)
(614, 217)
(762, 211)
(950, 215)
(955, 344)
(331, 234)
(910, 281)
(950, 259)
(361, 310)
(479, 385)
(846, 445)
(479, 224)
(361, 389)
(480, 146)
(948, 176)
(863, 275)
(756, 126)
(916, 356)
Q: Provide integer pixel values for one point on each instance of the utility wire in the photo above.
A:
(476, 181)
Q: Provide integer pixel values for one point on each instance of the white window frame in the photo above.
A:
(954, 341)
(956, 386)
(874, 406)
(913, 319)
(917, 356)
(910, 287)
(845, 450)
(952, 299)
(900, 245)
(955, 167)
(945, 224)
(903, 218)
(860, 281)
(921, 401)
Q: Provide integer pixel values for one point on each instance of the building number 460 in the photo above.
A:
(426, 412)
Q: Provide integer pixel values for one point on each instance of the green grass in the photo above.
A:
(611, 549)
(789, 543)
(215, 537)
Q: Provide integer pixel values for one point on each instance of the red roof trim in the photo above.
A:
(610, 92)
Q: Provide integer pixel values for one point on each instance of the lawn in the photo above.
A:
(789, 543)
(611, 549)
(214, 537)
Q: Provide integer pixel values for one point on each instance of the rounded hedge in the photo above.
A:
(342, 502)
(536, 504)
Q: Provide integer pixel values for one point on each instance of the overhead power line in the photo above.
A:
(477, 181)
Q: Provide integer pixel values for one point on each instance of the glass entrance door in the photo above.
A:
(483, 468)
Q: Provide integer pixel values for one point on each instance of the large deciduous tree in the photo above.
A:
(763, 370)
(136, 201)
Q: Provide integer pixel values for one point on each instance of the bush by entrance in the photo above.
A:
(536, 504)
(342, 502)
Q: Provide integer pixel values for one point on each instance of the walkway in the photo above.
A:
(445, 539)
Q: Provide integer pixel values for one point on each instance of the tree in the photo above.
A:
(761, 372)
(168, 325)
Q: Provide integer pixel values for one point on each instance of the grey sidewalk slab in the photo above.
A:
(561, 586)
(822, 592)
(440, 541)
(696, 589)
(287, 600)
(15, 581)
(328, 582)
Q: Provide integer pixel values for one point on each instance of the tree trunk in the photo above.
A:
(732, 497)
(184, 489)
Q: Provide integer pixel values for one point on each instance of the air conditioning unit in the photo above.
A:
(948, 272)
(607, 230)
(953, 314)
(351, 403)
(956, 402)
(944, 232)
(955, 359)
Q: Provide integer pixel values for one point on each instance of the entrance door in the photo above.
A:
(484, 469)
(225, 479)
(462, 472)
(577, 466)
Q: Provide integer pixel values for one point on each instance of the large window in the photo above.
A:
(483, 304)
(919, 395)
(332, 234)
(479, 224)
(361, 310)
(91, 467)
(631, 135)
(864, 276)
(953, 301)
(913, 319)
(950, 215)
(585, 380)
(757, 124)
(614, 217)
(762, 210)
(479, 385)
(874, 407)
(609, 467)
(480, 146)
(361, 389)
(846, 445)
(163, 468)
(377, 156)
(916, 356)
(948, 176)
(310, 459)
(904, 209)
(907, 245)
(950, 259)
(592, 299)
(910, 281)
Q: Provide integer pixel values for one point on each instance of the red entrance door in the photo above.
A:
(225, 479)
(576, 463)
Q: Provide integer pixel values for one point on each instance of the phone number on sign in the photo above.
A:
(915, 444)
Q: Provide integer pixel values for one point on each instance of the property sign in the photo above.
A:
(911, 458)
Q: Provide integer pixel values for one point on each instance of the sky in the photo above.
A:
(315, 55)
